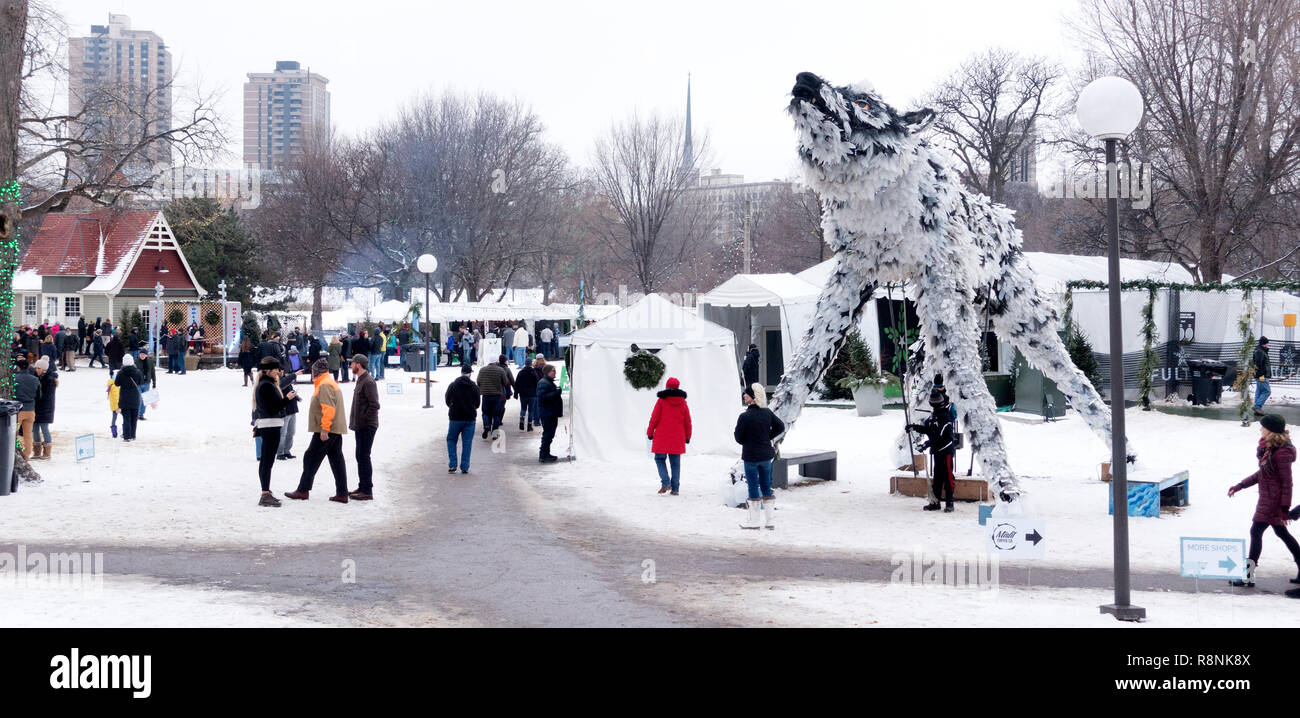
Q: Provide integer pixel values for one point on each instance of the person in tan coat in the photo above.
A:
(327, 421)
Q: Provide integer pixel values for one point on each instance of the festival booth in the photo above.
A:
(770, 310)
(609, 417)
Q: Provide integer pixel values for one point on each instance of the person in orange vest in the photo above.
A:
(327, 422)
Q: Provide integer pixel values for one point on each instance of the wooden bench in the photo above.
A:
(966, 489)
(1146, 496)
(812, 465)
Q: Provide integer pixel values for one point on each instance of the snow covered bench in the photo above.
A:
(1147, 495)
(812, 465)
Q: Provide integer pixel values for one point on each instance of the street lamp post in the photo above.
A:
(222, 288)
(428, 264)
(1109, 109)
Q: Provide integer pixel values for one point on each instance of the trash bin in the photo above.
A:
(413, 357)
(1207, 380)
(8, 435)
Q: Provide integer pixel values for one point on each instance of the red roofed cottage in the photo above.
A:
(95, 263)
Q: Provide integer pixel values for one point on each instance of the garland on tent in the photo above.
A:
(1149, 359)
(1151, 284)
(1245, 358)
(643, 370)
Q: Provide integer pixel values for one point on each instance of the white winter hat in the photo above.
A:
(43, 363)
(128, 361)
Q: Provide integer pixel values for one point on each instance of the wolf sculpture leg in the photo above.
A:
(1022, 316)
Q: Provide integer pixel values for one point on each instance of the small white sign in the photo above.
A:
(85, 447)
(1212, 557)
(1011, 538)
(394, 388)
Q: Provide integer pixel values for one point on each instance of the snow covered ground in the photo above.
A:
(1058, 464)
(191, 481)
(138, 602)
(190, 478)
(839, 604)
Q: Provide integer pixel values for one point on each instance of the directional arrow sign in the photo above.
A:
(1212, 557)
(1012, 538)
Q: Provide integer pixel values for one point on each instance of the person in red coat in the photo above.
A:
(1275, 453)
(669, 433)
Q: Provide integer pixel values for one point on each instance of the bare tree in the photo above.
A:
(988, 111)
(465, 179)
(642, 172)
(1221, 125)
(298, 226)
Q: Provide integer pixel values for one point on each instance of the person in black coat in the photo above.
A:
(115, 351)
(41, 441)
(526, 389)
(128, 381)
(463, 400)
(941, 440)
(550, 402)
(349, 349)
(1263, 372)
(313, 349)
(756, 428)
(269, 406)
(751, 365)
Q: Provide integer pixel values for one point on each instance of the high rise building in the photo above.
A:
(1024, 165)
(119, 88)
(284, 112)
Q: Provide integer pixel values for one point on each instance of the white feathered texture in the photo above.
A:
(894, 211)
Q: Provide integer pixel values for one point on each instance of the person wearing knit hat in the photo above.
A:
(148, 373)
(756, 429)
(941, 439)
(128, 380)
(463, 402)
(327, 423)
(1275, 454)
(669, 433)
(1262, 373)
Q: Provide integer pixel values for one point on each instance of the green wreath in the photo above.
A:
(212, 317)
(643, 370)
(175, 316)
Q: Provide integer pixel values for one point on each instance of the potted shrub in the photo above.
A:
(862, 376)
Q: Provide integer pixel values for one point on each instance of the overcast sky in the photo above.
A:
(583, 64)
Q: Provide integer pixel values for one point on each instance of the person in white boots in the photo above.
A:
(755, 430)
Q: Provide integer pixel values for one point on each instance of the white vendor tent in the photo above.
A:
(770, 310)
(609, 417)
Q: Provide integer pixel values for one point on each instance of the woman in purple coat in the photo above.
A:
(1275, 454)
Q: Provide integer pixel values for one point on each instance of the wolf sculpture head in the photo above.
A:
(848, 132)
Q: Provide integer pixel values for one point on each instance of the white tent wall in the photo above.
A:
(610, 417)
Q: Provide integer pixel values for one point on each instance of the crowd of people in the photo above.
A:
(41, 352)
(517, 343)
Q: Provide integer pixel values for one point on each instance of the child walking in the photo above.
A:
(113, 393)
(1275, 453)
